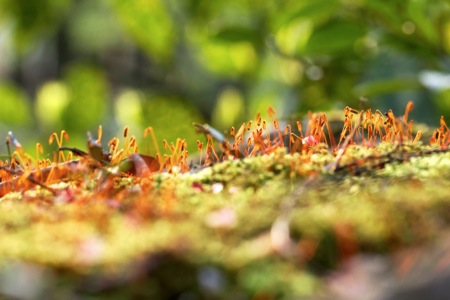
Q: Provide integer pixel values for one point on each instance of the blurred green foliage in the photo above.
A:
(75, 64)
(14, 106)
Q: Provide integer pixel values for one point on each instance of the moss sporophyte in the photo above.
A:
(290, 195)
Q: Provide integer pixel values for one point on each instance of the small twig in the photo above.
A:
(75, 151)
(82, 153)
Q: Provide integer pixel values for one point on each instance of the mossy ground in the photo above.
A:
(269, 226)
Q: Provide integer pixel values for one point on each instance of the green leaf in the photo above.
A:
(386, 86)
(315, 11)
(386, 11)
(149, 24)
(417, 11)
(411, 46)
(33, 19)
(233, 34)
(333, 38)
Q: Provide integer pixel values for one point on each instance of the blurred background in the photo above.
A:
(75, 64)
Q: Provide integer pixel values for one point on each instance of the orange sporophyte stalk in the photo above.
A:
(59, 141)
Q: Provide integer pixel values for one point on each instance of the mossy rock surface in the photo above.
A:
(271, 226)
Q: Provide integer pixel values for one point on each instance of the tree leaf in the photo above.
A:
(417, 10)
(150, 24)
(386, 86)
(334, 37)
(315, 11)
(233, 34)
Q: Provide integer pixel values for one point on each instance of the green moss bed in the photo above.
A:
(276, 226)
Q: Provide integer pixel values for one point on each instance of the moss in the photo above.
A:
(223, 217)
